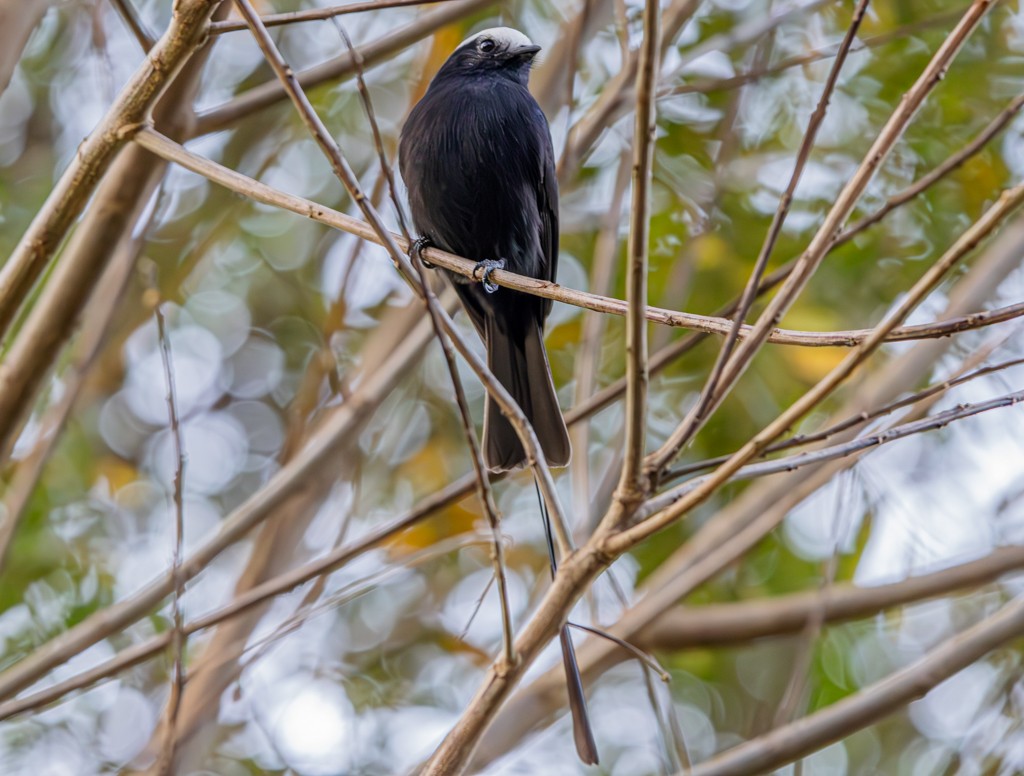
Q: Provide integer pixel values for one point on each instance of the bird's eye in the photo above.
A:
(486, 45)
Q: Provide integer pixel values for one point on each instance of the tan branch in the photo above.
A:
(380, 50)
(260, 192)
(788, 743)
(630, 487)
(684, 627)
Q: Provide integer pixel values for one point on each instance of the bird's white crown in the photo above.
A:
(505, 35)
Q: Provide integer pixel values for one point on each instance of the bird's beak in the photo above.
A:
(525, 52)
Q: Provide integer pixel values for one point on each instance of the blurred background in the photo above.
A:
(273, 321)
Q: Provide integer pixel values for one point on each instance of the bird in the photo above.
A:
(476, 156)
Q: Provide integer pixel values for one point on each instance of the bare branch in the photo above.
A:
(874, 702)
(685, 627)
(271, 92)
(178, 498)
(834, 452)
(260, 192)
(630, 487)
(131, 19)
(318, 14)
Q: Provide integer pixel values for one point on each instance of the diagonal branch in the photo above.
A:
(380, 50)
(788, 743)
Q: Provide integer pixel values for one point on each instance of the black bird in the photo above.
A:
(477, 159)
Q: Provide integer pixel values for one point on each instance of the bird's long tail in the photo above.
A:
(520, 363)
(582, 730)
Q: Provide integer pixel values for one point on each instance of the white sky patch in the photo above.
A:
(313, 729)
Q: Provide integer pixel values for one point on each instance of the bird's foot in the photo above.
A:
(416, 248)
(488, 266)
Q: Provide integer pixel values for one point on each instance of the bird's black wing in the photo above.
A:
(547, 205)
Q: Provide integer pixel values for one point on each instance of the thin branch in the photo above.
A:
(318, 14)
(870, 704)
(132, 21)
(484, 490)
(834, 452)
(631, 487)
(861, 418)
(178, 498)
(718, 625)
(380, 50)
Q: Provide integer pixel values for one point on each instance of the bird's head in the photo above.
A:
(497, 51)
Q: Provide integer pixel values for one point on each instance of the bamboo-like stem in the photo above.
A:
(631, 488)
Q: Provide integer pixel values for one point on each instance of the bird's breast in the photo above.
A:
(471, 160)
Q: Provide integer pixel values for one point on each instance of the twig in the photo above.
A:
(631, 487)
(859, 419)
(834, 452)
(318, 14)
(131, 19)
(686, 627)
(874, 702)
(178, 498)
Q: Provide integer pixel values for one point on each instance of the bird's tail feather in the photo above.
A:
(521, 366)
